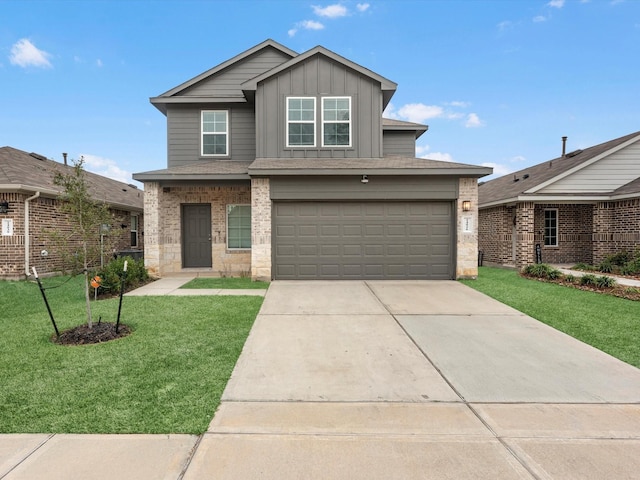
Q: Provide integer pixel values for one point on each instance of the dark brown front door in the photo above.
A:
(196, 236)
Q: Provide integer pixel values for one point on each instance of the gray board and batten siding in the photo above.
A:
(319, 76)
(340, 228)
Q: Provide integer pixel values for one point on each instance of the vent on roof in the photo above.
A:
(132, 185)
(516, 179)
(574, 153)
(525, 176)
(37, 156)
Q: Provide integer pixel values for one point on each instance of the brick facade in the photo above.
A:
(260, 229)
(44, 216)
(587, 233)
(163, 227)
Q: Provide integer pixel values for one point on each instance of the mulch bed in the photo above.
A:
(98, 333)
(622, 291)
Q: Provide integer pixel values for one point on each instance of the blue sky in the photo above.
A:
(498, 82)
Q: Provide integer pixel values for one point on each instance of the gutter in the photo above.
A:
(27, 239)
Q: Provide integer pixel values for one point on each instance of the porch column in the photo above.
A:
(525, 234)
(260, 229)
(467, 226)
(151, 228)
(602, 231)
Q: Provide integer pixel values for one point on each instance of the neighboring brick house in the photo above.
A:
(579, 207)
(280, 166)
(28, 201)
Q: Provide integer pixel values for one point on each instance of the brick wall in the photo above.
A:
(495, 235)
(45, 216)
(616, 227)
(163, 227)
(574, 233)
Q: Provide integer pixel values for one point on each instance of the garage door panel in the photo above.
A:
(364, 240)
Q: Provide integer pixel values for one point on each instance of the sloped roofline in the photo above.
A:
(582, 165)
(388, 87)
(212, 71)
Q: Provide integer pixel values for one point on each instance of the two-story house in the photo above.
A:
(281, 166)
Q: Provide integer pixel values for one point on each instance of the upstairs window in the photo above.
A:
(301, 122)
(336, 122)
(551, 228)
(238, 226)
(215, 132)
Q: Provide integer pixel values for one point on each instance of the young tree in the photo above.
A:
(87, 216)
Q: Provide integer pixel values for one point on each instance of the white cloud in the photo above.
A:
(556, 3)
(390, 111)
(505, 25)
(311, 25)
(539, 18)
(99, 63)
(473, 121)
(292, 32)
(362, 7)
(419, 112)
(457, 103)
(106, 167)
(423, 152)
(517, 159)
(330, 11)
(498, 170)
(26, 54)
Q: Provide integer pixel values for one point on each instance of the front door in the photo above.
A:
(196, 236)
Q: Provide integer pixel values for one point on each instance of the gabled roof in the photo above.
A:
(172, 96)
(24, 172)
(211, 170)
(523, 184)
(388, 87)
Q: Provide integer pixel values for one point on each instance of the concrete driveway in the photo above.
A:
(417, 380)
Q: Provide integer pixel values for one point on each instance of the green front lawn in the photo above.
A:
(608, 323)
(225, 283)
(166, 377)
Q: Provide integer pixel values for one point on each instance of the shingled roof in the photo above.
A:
(509, 187)
(21, 171)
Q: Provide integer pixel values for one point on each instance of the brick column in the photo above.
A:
(602, 236)
(260, 229)
(467, 230)
(525, 234)
(151, 228)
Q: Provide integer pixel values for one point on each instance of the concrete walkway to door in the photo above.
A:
(367, 380)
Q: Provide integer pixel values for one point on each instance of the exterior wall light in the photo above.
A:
(4, 206)
(466, 205)
(364, 179)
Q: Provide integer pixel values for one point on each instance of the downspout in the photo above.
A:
(26, 233)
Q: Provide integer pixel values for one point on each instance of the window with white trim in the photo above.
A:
(238, 226)
(551, 227)
(134, 230)
(336, 121)
(301, 122)
(215, 133)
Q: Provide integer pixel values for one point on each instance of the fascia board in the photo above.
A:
(582, 165)
(159, 177)
(461, 172)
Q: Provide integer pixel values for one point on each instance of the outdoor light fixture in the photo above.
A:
(364, 179)
(4, 206)
(466, 205)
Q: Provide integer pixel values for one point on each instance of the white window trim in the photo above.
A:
(315, 113)
(544, 235)
(324, 122)
(227, 224)
(135, 230)
(202, 134)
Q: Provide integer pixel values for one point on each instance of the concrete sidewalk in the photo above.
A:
(379, 380)
(173, 286)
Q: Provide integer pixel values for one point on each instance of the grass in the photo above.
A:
(225, 283)
(166, 377)
(608, 323)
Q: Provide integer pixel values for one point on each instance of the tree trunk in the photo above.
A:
(87, 296)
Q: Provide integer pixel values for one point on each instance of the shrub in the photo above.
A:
(583, 266)
(588, 279)
(542, 270)
(570, 278)
(605, 282)
(111, 274)
(606, 266)
(632, 267)
(619, 258)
